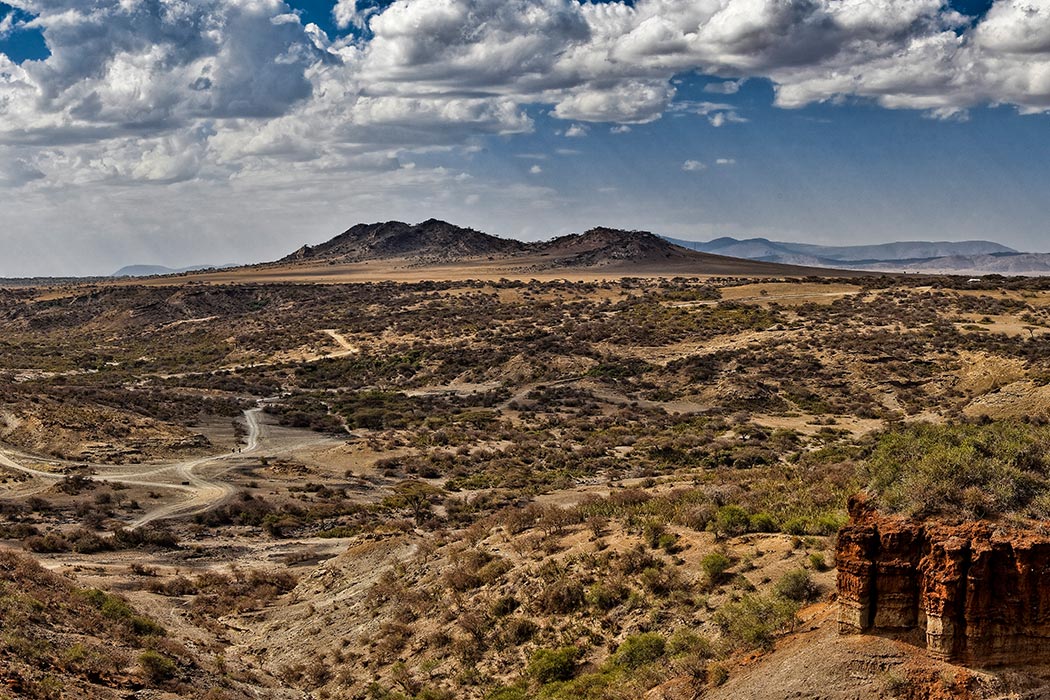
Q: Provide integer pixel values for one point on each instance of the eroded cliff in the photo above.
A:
(974, 593)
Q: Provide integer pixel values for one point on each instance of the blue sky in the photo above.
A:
(133, 136)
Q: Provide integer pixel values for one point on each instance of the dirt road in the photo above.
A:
(204, 491)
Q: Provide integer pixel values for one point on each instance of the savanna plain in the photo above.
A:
(617, 487)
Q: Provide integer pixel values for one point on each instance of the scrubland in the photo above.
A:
(496, 489)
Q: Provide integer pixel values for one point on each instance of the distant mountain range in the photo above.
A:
(435, 242)
(150, 270)
(955, 257)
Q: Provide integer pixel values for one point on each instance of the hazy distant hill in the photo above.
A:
(782, 251)
(959, 257)
(150, 270)
(999, 264)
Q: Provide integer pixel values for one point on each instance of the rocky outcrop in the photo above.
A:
(974, 593)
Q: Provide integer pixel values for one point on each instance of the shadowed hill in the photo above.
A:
(603, 246)
(431, 241)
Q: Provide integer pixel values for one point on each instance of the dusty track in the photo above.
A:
(204, 491)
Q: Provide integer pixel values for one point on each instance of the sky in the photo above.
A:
(182, 132)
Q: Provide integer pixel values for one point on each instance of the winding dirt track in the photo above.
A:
(204, 492)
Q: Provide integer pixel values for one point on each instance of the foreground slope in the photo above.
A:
(60, 640)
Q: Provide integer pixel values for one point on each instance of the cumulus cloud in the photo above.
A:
(535, 170)
(725, 161)
(347, 14)
(164, 91)
(692, 166)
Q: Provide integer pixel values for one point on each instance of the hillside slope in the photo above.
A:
(59, 640)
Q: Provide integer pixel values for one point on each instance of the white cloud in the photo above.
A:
(634, 101)
(347, 14)
(226, 88)
(16, 171)
(620, 129)
(727, 87)
(725, 161)
(535, 170)
(718, 119)
(7, 24)
(691, 166)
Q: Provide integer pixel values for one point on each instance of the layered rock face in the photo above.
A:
(971, 593)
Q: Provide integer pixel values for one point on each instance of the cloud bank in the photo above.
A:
(159, 91)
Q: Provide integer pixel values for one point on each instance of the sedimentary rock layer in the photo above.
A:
(974, 593)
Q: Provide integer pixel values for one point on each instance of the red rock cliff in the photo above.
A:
(973, 593)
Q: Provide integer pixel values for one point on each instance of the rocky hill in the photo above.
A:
(605, 246)
(431, 241)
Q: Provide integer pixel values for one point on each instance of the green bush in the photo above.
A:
(116, 609)
(754, 620)
(762, 522)
(511, 692)
(796, 585)
(795, 526)
(829, 523)
(730, 521)
(157, 667)
(606, 596)
(550, 665)
(714, 565)
(639, 649)
(686, 641)
(973, 471)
